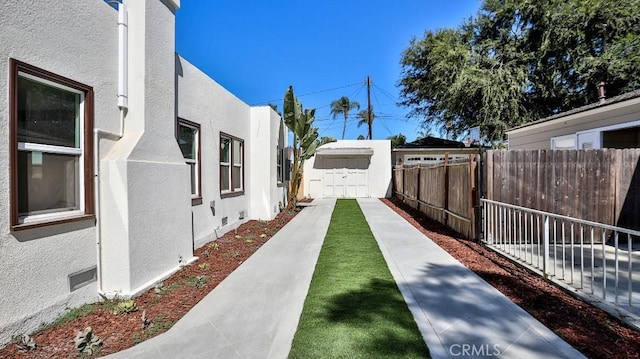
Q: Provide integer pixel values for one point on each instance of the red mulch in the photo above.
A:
(164, 307)
(592, 331)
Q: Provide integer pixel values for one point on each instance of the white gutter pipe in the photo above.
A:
(98, 133)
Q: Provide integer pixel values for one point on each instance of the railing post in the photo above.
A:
(545, 258)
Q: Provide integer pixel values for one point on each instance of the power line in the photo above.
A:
(308, 93)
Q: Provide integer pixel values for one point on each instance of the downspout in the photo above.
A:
(98, 133)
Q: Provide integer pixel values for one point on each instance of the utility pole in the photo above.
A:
(369, 112)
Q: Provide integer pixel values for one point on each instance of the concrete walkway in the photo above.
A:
(255, 311)
(459, 314)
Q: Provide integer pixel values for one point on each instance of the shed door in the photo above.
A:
(346, 177)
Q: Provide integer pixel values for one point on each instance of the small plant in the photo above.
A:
(155, 326)
(205, 253)
(236, 254)
(87, 342)
(248, 240)
(204, 266)
(198, 281)
(263, 235)
(26, 344)
(159, 288)
(125, 307)
(214, 246)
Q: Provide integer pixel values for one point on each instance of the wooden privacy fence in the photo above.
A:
(597, 185)
(446, 193)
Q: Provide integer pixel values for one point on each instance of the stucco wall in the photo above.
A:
(538, 136)
(379, 176)
(145, 197)
(203, 101)
(267, 129)
(36, 263)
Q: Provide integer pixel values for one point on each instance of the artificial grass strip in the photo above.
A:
(354, 308)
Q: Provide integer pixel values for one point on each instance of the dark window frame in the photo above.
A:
(16, 224)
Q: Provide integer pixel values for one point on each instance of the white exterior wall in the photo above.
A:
(379, 176)
(203, 101)
(148, 224)
(36, 263)
(145, 196)
(267, 132)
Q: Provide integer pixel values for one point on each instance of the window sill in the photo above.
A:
(196, 201)
(52, 222)
(231, 194)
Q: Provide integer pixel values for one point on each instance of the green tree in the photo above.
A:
(300, 122)
(520, 60)
(343, 106)
(363, 118)
(424, 133)
(324, 140)
(397, 140)
(361, 137)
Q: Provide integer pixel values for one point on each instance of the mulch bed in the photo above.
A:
(162, 306)
(590, 330)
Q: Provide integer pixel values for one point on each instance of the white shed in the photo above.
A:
(349, 169)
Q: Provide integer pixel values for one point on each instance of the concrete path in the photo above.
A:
(254, 312)
(459, 314)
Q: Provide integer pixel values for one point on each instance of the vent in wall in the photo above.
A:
(241, 215)
(80, 279)
(225, 220)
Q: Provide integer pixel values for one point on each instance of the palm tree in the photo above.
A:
(343, 106)
(364, 119)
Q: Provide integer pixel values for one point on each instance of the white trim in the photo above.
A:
(36, 147)
(618, 126)
(64, 150)
(196, 160)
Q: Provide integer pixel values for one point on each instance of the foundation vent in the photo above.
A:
(78, 280)
(225, 221)
(241, 215)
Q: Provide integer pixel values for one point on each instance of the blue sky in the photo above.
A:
(325, 49)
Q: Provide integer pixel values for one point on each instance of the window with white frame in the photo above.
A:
(51, 122)
(231, 164)
(563, 143)
(189, 142)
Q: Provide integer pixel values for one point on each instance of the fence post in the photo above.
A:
(446, 189)
(545, 258)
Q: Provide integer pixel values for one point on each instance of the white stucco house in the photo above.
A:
(119, 157)
(349, 169)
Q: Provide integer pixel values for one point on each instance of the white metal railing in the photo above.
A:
(594, 258)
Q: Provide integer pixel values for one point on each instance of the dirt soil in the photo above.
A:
(161, 306)
(590, 330)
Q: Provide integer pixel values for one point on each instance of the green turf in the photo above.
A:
(354, 308)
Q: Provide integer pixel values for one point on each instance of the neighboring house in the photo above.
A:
(610, 123)
(349, 168)
(430, 150)
(108, 187)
